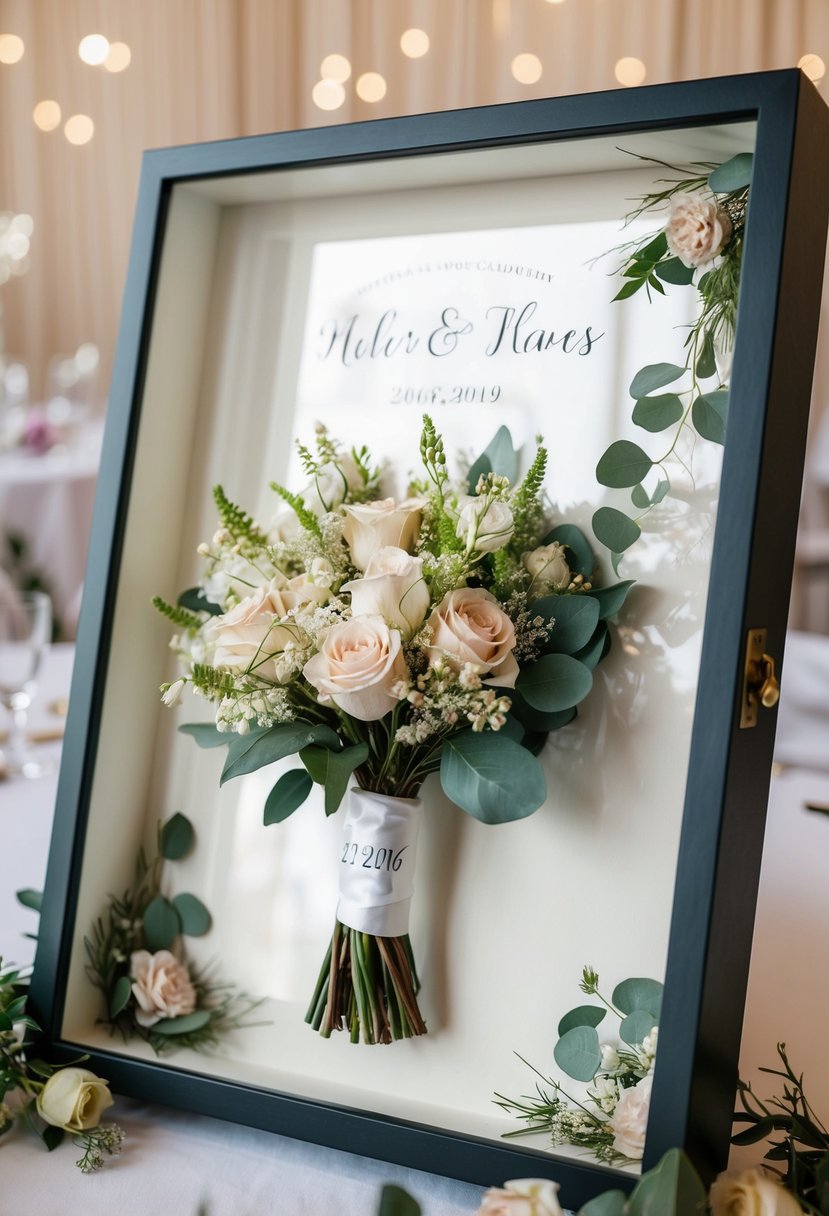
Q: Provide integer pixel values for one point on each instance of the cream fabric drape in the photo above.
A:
(209, 69)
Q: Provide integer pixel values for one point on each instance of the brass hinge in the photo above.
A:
(760, 686)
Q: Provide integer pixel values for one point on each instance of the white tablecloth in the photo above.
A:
(173, 1161)
(47, 500)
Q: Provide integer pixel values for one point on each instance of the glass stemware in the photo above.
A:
(25, 633)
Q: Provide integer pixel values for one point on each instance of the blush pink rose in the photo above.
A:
(251, 638)
(469, 626)
(522, 1197)
(161, 985)
(370, 526)
(357, 666)
(630, 1119)
(697, 229)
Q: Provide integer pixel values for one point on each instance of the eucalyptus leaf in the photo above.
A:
(536, 719)
(206, 734)
(615, 530)
(582, 1015)
(513, 729)
(555, 682)
(709, 413)
(333, 770)
(634, 1028)
(674, 271)
(394, 1201)
(640, 498)
(638, 993)
(596, 649)
(662, 488)
(734, 174)
(121, 994)
(656, 414)
(578, 1053)
(193, 915)
(580, 558)
(499, 456)
(194, 601)
(290, 792)
(30, 898)
(161, 924)
(654, 376)
(611, 1203)
(575, 617)
(254, 751)
(188, 1023)
(176, 837)
(611, 599)
(624, 464)
(672, 1188)
(490, 777)
(706, 363)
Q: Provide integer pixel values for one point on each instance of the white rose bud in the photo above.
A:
(697, 229)
(392, 587)
(548, 567)
(74, 1099)
(752, 1193)
(485, 528)
(370, 526)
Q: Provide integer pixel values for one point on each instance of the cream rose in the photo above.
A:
(522, 1197)
(469, 626)
(74, 1098)
(250, 636)
(697, 229)
(485, 528)
(392, 587)
(370, 526)
(751, 1193)
(630, 1119)
(358, 664)
(161, 986)
(548, 567)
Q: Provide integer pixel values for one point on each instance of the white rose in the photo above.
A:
(548, 567)
(393, 587)
(74, 1099)
(522, 1197)
(697, 229)
(469, 626)
(358, 664)
(250, 636)
(370, 526)
(485, 528)
(630, 1119)
(161, 986)
(751, 1193)
(285, 593)
(234, 575)
(331, 483)
(610, 1058)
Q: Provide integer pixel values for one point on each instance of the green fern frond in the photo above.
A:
(239, 524)
(179, 616)
(307, 518)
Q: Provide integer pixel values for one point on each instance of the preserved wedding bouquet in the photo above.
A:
(381, 641)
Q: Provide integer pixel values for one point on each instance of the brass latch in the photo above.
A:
(760, 685)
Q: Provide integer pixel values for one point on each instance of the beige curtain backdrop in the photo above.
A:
(213, 69)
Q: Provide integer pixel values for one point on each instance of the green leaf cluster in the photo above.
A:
(671, 1188)
(650, 266)
(637, 1003)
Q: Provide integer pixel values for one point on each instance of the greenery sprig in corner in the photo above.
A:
(701, 246)
(149, 991)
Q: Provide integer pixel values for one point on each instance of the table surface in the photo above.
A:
(243, 1172)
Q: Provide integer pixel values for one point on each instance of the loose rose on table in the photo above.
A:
(74, 1099)
(522, 1197)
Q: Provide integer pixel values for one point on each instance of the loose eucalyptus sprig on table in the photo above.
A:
(611, 1122)
(148, 990)
(701, 246)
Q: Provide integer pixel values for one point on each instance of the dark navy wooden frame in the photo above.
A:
(724, 816)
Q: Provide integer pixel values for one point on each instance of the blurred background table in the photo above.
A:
(46, 500)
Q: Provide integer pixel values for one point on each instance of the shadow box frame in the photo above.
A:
(722, 828)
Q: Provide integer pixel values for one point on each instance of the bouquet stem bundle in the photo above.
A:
(368, 986)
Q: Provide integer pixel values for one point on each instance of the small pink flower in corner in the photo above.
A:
(161, 986)
(522, 1197)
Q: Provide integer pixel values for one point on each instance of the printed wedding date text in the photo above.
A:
(438, 394)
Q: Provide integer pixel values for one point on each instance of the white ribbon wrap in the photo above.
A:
(377, 863)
